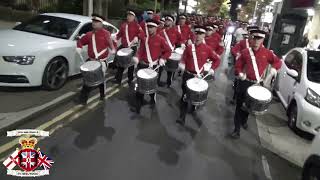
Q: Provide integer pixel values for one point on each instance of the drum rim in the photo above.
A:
(153, 71)
(207, 84)
(267, 90)
(90, 62)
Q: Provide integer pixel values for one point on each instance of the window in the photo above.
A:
(49, 26)
(85, 28)
(313, 66)
(110, 29)
(294, 61)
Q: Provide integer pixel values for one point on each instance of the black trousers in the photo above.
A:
(120, 70)
(169, 76)
(85, 91)
(185, 103)
(241, 116)
(140, 96)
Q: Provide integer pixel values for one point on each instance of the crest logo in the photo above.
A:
(31, 162)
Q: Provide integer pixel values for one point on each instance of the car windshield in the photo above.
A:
(49, 26)
(313, 67)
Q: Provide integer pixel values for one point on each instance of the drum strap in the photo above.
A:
(127, 35)
(179, 29)
(146, 28)
(168, 40)
(254, 64)
(94, 44)
(195, 60)
(247, 43)
(149, 58)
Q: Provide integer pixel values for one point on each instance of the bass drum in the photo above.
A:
(92, 73)
(197, 91)
(258, 99)
(147, 81)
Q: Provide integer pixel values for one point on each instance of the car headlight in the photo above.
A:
(313, 98)
(22, 60)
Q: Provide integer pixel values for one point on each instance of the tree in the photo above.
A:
(210, 7)
(247, 9)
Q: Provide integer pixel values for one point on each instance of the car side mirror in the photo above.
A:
(292, 73)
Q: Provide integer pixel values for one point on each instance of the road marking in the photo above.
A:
(266, 167)
(65, 114)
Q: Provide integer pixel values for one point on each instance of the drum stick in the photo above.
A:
(206, 76)
(157, 67)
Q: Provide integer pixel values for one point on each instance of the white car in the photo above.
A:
(311, 167)
(298, 88)
(42, 51)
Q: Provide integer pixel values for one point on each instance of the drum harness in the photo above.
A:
(168, 40)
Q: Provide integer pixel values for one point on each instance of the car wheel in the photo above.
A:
(55, 74)
(292, 117)
(312, 173)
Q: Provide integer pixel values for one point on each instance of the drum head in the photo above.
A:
(90, 66)
(124, 52)
(259, 93)
(179, 51)
(147, 73)
(197, 84)
(175, 57)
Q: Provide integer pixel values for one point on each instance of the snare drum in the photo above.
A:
(147, 81)
(123, 57)
(173, 63)
(197, 91)
(258, 99)
(92, 73)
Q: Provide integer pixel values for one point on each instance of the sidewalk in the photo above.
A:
(276, 136)
(6, 24)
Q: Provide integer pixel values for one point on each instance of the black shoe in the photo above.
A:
(115, 81)
(82, 102)
(102, 98)
(235, 135)
(180, 121)
(245, 126)
(135, 110)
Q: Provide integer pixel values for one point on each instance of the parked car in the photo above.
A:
(298, 88)
(311, 167)
(42, 51)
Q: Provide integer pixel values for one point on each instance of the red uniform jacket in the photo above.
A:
(264, 57)
(144, 27)
(158, 49)
(134, 30)
(102, 38)
(203, 53)
(239, 47)
(186, 32)
(173, 35)
(159, 30)
(214, 43)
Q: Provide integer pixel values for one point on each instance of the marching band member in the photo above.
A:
(184, 29)
(250, 66)
(161, 25)
(130, 33)
(192, 62)
(98, 41)
(143, 24)
(241, 30)
(153, 50)
(173, 38)
(213, 41)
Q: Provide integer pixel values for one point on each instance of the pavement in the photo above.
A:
(6, 24)
(107, 140)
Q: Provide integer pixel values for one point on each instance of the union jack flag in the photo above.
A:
(44, 161)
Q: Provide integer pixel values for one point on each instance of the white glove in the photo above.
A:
(189, 42)
(238, 55)
(135, 60)
(273, 72)
(242, 76)
(113, 51)
(211, 72)
(183, 46)
(151, 65)
(162, 62)
(182, 67)
(135, 40)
